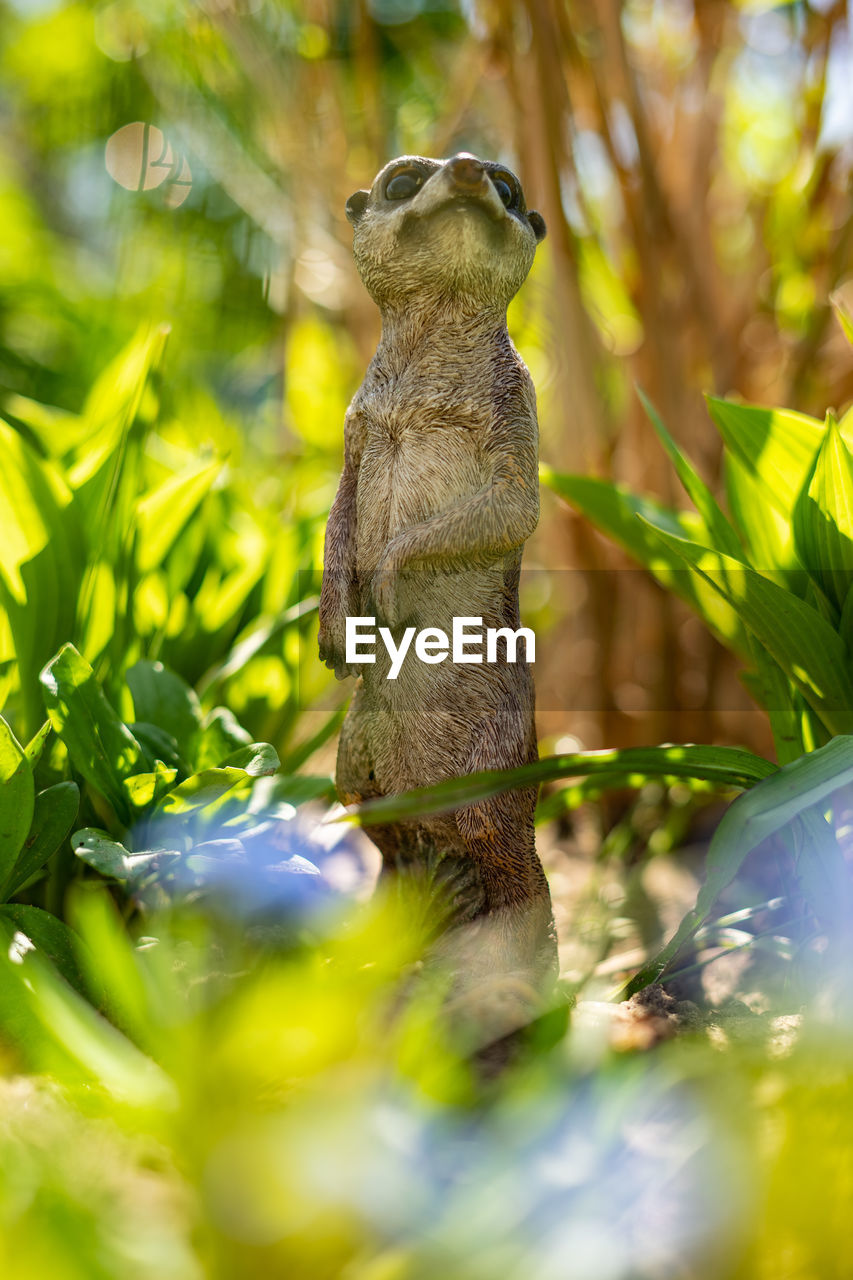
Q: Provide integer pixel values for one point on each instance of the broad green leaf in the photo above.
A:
(771, 806)
(221, 736)
(200, 790)
(118, 391)
(97, 850)
(53, 817)
(35, 746)
(258, 759)
(767, 533)
(163, 513)
(42, 558)
(823, 517)
(144, 788)
(720, 531)
(778, 446)
(32, 496)
(56, 430)
(159, 745)
(17, 796)
(163, 699)
(772, 689)
(250, 643)
(101, 747)
(50, 936)
(804, 644)
(724, 766)
(615, 510)
(96, 610)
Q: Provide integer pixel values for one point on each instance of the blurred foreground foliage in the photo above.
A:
(211, 1063)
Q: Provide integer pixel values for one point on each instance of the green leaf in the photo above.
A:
(771, 806)
(159, 745)
(144, 788)
(17, 796)
(42, 559)
(722, 536)
(65, 1018)
(258, 759)
(98, 850)
(725, 766)
(31, 497)
(101, 747)
(615, 510)
(807, 648)
(111, 959)
(767, 533)
(823, 517)
(201, 790)
(35, 746)
(777, 446)
(50, 936)
(53, 817)
(163, 699)
(775, 693)
(163, 513)
(222, 735)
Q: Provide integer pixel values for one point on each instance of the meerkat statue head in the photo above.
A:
(455, 230)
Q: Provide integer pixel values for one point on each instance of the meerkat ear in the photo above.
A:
(356, 205)
(537, 222)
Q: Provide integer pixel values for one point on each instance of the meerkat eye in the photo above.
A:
(506, 188)
(403, 184)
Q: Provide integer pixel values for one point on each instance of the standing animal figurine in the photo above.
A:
(438, 494)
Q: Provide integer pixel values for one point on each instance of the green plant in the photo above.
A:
(129, 534)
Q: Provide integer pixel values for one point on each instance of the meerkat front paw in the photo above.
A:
(332, 643)
(383, 595)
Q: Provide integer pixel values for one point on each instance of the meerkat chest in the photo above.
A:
(422, 452)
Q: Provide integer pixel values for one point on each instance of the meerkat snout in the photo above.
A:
(431, 227)
(466, 170)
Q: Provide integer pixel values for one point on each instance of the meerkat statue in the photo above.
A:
(438, 494)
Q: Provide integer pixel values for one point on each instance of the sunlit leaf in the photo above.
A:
(54, 812)
(615, 510)
(88, 1039)
(725, 766)
(16, 800)
(804, 644)
(101, 747)
(221, 736)
(144, 788)
(823, 517)
(778, 446)
(257, 758)
(50, 937)
(767, 533)
(163, 513)
(720, 532)
(200, 790)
